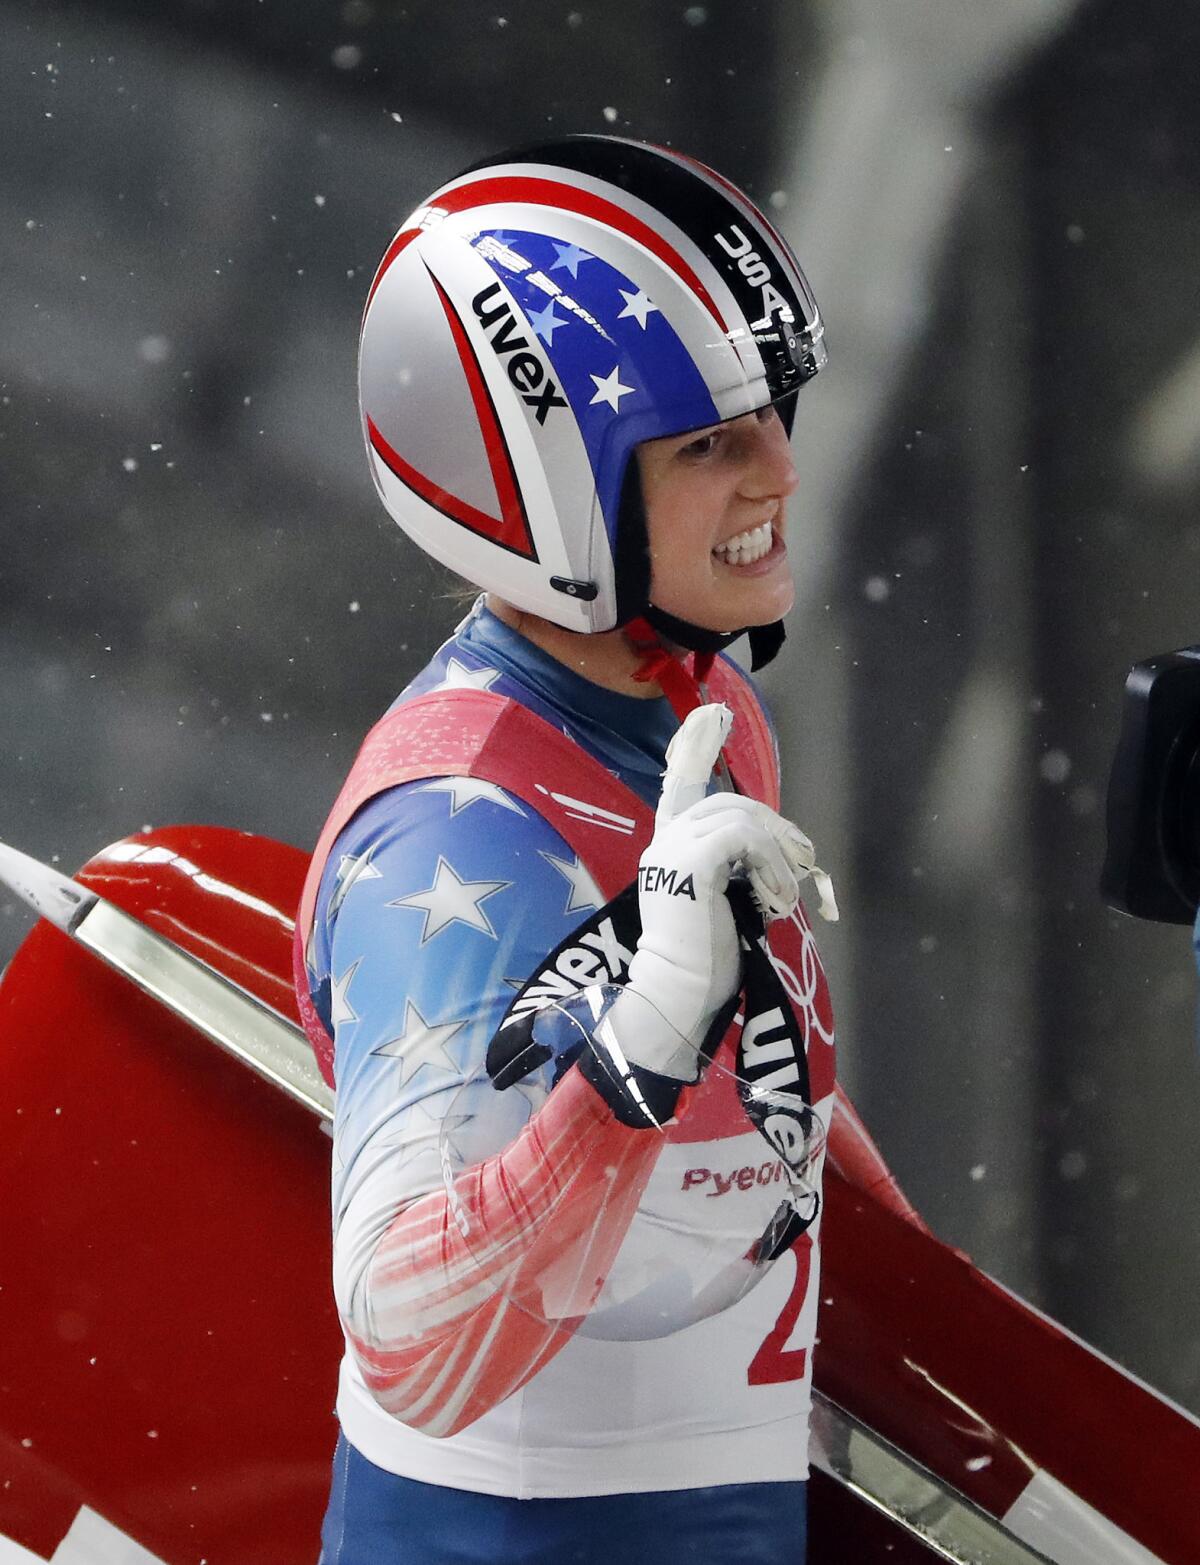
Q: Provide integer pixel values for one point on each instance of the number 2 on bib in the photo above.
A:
(773, 1363)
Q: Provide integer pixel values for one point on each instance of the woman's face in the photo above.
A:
(715, 520)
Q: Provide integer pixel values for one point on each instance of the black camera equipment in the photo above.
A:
(1152, 868)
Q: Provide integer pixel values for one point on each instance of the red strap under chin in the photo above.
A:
(682, 686)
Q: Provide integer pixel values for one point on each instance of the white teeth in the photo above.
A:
(746, 547)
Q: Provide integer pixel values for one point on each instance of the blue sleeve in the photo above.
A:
(439, 899)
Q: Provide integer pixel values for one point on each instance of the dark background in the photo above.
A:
(202, 606)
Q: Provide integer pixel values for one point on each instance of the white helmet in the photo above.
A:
(533, 322)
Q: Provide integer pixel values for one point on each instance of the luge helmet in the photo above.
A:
(537, 318)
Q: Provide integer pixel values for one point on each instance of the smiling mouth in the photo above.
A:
(746, 548)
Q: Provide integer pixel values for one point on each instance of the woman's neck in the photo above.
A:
(605, 657)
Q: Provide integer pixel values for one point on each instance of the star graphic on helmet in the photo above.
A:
(469, 790)
(545, 322)
(584, 891)
(637, 305)
(453, 901)
(569, 256)
(609, 389)
(421, 1043)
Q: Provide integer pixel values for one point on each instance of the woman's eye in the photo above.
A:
(703, 445)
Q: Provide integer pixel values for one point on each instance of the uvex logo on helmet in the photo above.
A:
(757, 273)
(525, 369)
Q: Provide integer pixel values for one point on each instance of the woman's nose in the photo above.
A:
(771, 472)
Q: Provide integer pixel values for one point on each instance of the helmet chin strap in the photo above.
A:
(765, 640)
(684, 686)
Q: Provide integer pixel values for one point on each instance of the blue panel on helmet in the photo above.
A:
(625, 373)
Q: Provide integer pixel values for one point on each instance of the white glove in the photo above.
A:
(687, 963)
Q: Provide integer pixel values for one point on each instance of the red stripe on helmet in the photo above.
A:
(492, 528)
(553, 193)
(405, 237)
(511, 528)
(514, 530)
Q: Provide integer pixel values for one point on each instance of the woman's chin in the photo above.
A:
(732, 597)
(768, 603)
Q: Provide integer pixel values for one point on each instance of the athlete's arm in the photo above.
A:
(445, 1325)
(439, 898)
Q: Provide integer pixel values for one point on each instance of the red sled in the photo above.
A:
(169, 1348)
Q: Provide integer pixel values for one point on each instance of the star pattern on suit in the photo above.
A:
(452, 900)
(421, 1045)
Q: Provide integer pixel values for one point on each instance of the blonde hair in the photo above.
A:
(457, 589)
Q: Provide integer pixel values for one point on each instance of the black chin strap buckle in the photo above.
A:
(765, 642)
